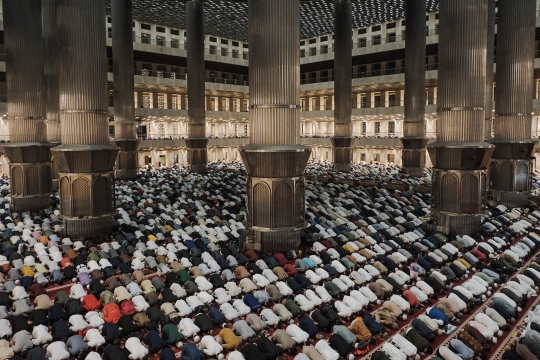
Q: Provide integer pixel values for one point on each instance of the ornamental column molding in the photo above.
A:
(460, 155)
(414, 142)
(490, 57)
(125, 133)
(342, 140)
(28, 150)
(196, 141)
(512, 161)
(274, 160)
(86, 157)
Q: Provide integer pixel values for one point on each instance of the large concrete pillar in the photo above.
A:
(414, 142)
(125, 132)
(490, 55)
(48, 9)
(342, 140)
(28, 150)
(274, 160)
(86, 157)
(196, 141)
(460, 155)
(512, 161)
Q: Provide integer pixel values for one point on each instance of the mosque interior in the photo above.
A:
(335, 179)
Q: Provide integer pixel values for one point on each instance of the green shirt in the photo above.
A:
(345, 333)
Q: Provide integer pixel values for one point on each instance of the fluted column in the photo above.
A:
(28, 151)
(125, 133)
(414, 142)
(490, 57)
(460, 155)
(48, 9)
(274, 160)
(85, 158)
(342, 140)
(512, 161)
(196, 141)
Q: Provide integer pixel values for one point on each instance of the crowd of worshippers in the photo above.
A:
(383, 173)
(174, 277)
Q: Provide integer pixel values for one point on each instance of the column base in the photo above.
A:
(461, 224)
(197, 155)
(79, 228)
(125, 174)
(28, 203)
(342, 153)
(509, 198)
(275, 241)
(126, 162)
(414, 172)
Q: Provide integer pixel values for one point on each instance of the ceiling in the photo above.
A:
(229, 19)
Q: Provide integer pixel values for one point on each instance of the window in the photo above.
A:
(391, 38)
(392, 100)
(235, 43)
(109, 33)
(173, 102)
(161, 102)
(437, 16)
(302, 53)
(302, 43)
(111, 131)
(376, 28)
(362, 42)
(146, 101)
(363, 157)
(363, 102)
(312, 51)
(362, 31)
(364, 128)
(225, 41)
(212, 39)
(160, 40)
(324, 38)
(391, 128)
(324, 49)
(390, 158)
(224, 51)
(391, 25)
(245, 46)
(377, 127)
(376, 39)
(146, 27)
(376, 157)
(161, 129)
(312, 41)
(145, 38)
(212, 49)
(109, 19)
(175, 32)
(174, 44)
(160, 29)
(376, 69)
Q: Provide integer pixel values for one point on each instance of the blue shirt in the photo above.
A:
(461, 350)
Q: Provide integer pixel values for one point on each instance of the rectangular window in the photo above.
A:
(174, 44)
(212, 39)
(324, 38)
(175, 32)
(235, 43)
(391, 128)
(363, 103)
(364, 128)
(392, 100)
(160, 41)
(390, 158)
(212, 49)
(376, 28)
(312, 41)
(376, 157)
(302, 43)
(245, 46)
(377, 127)
(109, 19)
(160, 29)
(362, 31)
(391, 25)
(146, 27)
(174, 106)
(225, 41)
(109, 33)
(146, 101)
(376, 39)
(145, 38)
(312, 51)
(363, 157)
(224, 51)
(324, 49)
(302, 53)
(161, 102)
(391, 37)
(362, 42)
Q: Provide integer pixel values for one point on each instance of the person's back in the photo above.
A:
(191, 352)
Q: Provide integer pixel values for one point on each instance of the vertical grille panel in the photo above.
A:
(32, 181)
(261, 205)
(82, 201)
(283, 210)
(469, 194)
(16, 180)
(506, 176)
(522, 177)
(102, 196)
(46, 179)
(65, 198)
(449, 198)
